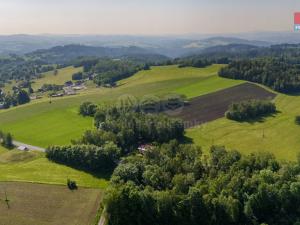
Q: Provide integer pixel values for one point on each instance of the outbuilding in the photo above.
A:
(23, 148)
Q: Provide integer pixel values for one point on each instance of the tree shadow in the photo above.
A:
(186, 140)
(103, 174)
(297, 120)
(260, 119)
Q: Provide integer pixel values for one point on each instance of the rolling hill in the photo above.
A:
(42, 124)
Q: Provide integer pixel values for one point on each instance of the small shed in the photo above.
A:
(23, 148)
(144, 148)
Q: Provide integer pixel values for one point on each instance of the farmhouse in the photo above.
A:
(69, 91)
(57, 95)
(68, 83)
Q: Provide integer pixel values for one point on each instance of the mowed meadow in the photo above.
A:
(59, 78)
(34, 167)
(42, 124)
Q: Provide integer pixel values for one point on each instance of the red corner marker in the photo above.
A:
(297, 18)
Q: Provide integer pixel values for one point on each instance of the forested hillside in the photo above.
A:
(31, 65)
(65, 54)
(280, 74)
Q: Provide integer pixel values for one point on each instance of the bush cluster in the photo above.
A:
(249, 110)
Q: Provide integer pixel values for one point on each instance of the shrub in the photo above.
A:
(72, 185)
(6, 140)
(77, 76)
(297, 120)
(87, 109)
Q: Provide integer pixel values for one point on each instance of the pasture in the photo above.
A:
(34, 167)
(63, 75)
(47, 204)
(41, 123)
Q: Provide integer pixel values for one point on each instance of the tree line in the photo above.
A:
(280, 74)
(249, 110)
(176, 184)
(89, 157)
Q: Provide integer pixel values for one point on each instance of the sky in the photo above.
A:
(145, 17)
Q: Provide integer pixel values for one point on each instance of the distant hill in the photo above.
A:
(217, 41)
(231, 48)
(172, 46)
(65, 54)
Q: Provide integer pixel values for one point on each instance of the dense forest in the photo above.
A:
(280, 74)
(176, 184)
(225, 54)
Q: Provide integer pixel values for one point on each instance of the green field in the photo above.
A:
(60, 78)
(34, 167)
(42, 124)
(278, 134)
(36, 204)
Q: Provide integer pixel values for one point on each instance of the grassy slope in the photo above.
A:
(279, 134)
(47, 205)
(46, 124)
(63, 75)
(34, 167)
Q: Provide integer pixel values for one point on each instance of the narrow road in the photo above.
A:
(102, 221)
(30, 147)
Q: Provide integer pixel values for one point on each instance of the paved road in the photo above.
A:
(31, 147)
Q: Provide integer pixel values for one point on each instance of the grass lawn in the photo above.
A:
(278, 134)
(60, 78)
(42, 124)
(34, 167)
(209, 85)
(47, 204)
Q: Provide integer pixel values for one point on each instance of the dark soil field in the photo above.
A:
(37, 204)
(213, 106)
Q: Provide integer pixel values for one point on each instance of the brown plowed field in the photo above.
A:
(213, 106)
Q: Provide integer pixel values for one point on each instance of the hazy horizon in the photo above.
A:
(136, 17)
